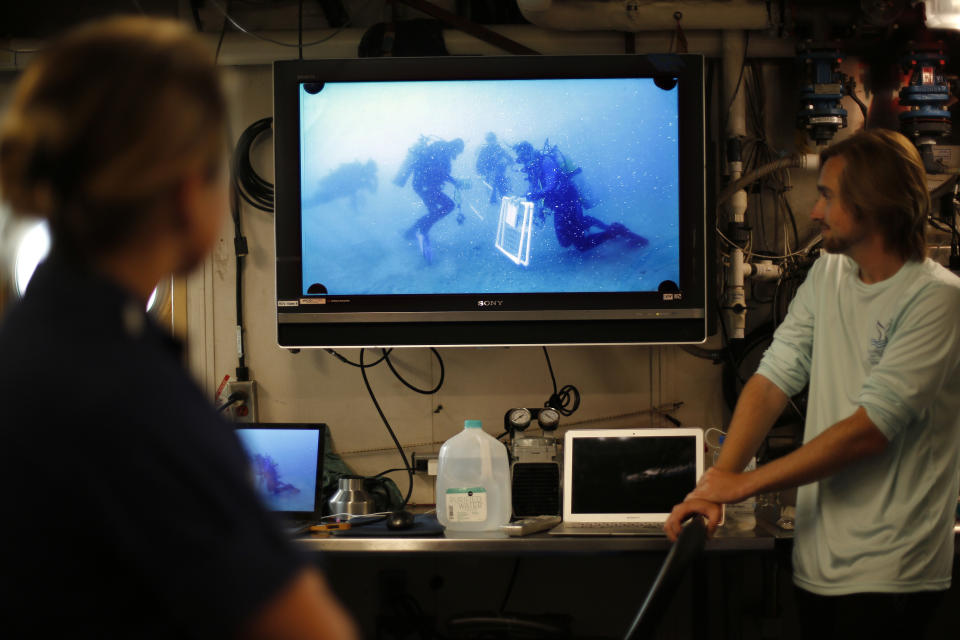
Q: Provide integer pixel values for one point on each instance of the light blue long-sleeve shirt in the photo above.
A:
(883, 524)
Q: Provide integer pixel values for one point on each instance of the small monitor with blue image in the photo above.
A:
(284, 466)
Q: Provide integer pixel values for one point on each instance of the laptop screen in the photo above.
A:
(630, 474)
(286, 465)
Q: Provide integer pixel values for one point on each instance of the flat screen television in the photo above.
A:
(524, 200)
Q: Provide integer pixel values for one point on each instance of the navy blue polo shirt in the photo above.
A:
(127, 509)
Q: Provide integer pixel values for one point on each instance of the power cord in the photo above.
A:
(232, 399)
(386, 423)
(256, 191)
(426, 392)
(346, 360)
(567, 399)
(300, 44)
(385, 357)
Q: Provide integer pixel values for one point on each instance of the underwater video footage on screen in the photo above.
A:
(283, 466)
(489, 186)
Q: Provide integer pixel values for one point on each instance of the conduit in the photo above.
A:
(652, 15)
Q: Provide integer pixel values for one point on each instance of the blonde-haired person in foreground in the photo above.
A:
(128, 511)
(875, 331)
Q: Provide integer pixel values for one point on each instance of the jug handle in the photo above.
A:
(487, 465)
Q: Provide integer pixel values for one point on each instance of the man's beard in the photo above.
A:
(841, 244)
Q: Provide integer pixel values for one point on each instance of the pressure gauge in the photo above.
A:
(517, 419)
(549, 419)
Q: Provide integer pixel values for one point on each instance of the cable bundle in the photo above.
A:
(256, 191)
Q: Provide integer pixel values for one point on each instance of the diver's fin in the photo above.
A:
(425, 249)
(634, 239)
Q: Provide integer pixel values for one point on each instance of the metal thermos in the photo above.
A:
(351, 498)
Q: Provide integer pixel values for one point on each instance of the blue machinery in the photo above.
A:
(820, 111)
(926, 96)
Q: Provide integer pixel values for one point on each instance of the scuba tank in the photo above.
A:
(572, 171)
(566, 165)
(414, 155)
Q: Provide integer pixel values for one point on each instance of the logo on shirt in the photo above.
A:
(878, 344)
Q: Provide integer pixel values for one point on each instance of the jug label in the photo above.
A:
(467, 504)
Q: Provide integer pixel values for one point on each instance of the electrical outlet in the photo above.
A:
(245, 409)
(424, 463)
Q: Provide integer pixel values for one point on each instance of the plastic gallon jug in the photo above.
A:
(473, 481)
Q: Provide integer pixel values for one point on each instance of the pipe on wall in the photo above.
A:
(239, 49)
(651, 15)
(734, 52)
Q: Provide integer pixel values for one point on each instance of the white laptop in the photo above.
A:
(626, 481)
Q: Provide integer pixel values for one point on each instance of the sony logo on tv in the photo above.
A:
(489, 303)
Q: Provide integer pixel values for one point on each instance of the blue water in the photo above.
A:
(621, 132)
(295, 453)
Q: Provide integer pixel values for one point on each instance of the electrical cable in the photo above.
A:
(799, 252)
(567, 399)
(386, 423)
(510, 585)
(298, 45)
(233, 399)
(353, 516)
(240, 253)
(725, 337)
(713, 355)
(300, 28)
(256, 191)
(426, 392)
(383, 473)
(356, 520)
(706, 437)
(346, 360)
(939, 225)
(948, 186)
(223, 32)
(385, 357)
(851, 86)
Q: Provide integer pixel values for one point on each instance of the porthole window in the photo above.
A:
(34, 246)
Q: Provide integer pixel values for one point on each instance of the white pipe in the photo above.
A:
(736, 119)
(763, 270)
(733, 83)
(653, 15)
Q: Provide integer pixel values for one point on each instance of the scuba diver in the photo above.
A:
(492, 163)
(430, 164)
(551, 181)
(346, 181)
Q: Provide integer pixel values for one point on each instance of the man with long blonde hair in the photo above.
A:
(875, 331)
